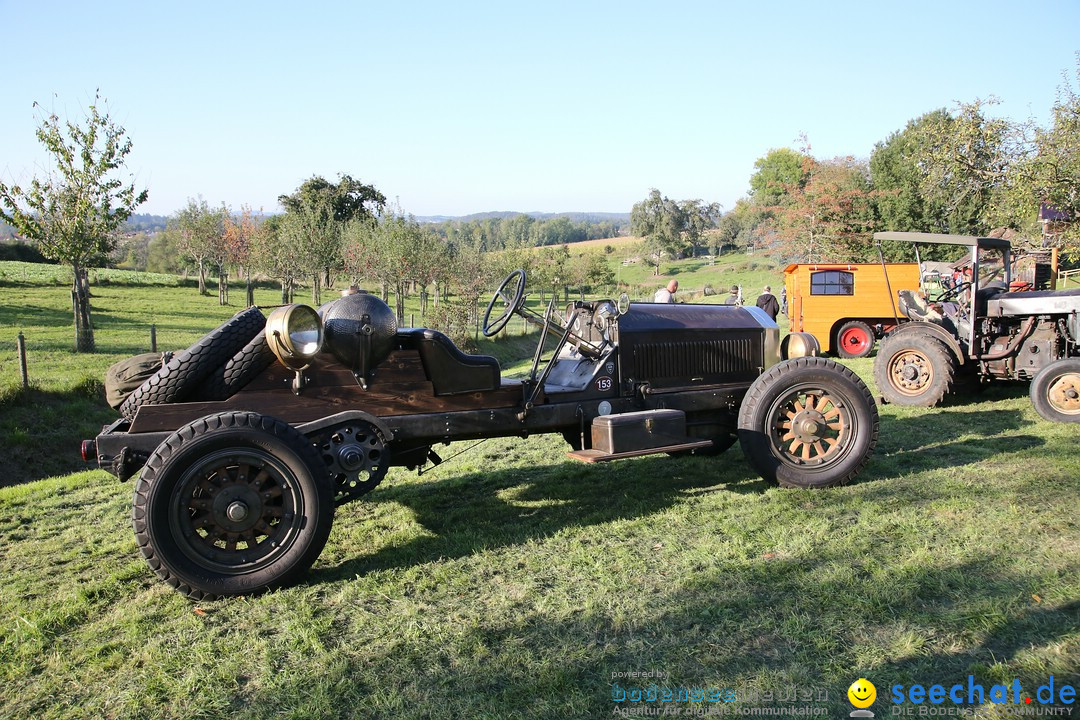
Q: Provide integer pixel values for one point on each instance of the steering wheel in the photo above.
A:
(953, 293)
(512, 294)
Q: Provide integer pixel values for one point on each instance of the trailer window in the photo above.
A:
(832, 282)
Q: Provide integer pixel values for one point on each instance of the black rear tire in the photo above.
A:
(232, 504)
(1055, 391)
(808, 423)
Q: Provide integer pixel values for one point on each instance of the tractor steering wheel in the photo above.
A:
(512, 294)
(953, 293)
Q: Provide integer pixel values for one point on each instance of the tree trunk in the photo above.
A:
(316, 295)
(80, 303)
(202, 278)
(250, 288)
(400, 303)
(223, 285)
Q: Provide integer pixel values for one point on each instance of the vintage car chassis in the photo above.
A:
(237, 495)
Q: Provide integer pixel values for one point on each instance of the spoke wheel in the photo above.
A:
(810, 427)
(232, 504)
(355, 456)
(1055, 391)
(808, 423)
(235, 511)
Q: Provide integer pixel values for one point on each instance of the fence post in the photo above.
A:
(412, 319)
(22, 361)
(153, 338)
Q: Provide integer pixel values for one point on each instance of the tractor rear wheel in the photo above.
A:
(914, 369)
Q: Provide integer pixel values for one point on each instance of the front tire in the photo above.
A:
(232, 504)
(1055, 391)
(808, 423)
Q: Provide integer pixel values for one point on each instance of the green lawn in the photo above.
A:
(513, 582)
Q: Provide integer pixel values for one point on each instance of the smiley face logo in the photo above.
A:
(862, 693)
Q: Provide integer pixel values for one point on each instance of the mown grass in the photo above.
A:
(513, 582)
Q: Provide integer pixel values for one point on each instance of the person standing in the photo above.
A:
(767, 302)
(735, 298)
(667, 295)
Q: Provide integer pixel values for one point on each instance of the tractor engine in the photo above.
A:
(1044, 345)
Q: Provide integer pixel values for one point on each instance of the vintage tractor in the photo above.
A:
(247, 440)
(981, 331)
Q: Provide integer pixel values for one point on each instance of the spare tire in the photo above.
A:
(182, 375)
(241, 369)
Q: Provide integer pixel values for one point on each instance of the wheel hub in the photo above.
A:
(1064, 394)
(910, 372)
(236, 507)
(811, 428)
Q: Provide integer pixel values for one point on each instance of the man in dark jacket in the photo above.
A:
(767, 302)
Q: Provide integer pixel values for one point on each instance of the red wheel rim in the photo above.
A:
(855, 340)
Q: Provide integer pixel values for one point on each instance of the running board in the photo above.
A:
(595, 456)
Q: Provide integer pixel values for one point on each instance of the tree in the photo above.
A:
(274, 252)
(348, 199)
(966, 159)
(326, 207)
(831, 216)
(674, 227)
(897, 170)
(200, 234)
(781, 172)
(697, 217)
(74, 213)
(1050, 174)
(659, 221)
(239, 244)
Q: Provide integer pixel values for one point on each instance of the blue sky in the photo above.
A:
(462, 107)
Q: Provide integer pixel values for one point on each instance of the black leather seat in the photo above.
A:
(450, 371)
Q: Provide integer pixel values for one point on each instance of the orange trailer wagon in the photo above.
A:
(846, 306)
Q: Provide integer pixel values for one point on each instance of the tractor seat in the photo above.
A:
(914, 307)
(450, 371)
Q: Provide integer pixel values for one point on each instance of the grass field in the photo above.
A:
(513, 582)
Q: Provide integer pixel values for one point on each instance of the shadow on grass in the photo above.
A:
(470, 512)
(477, 511)
(804, 621)
(40, 431)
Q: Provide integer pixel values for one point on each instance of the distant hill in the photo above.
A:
(587, 217)
(141, 222)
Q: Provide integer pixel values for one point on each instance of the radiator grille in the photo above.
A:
(698, 358)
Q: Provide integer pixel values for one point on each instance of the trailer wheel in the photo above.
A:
(1055, 391)
(914, 369)
(854, 339)
(232, 504)
(808, 423)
